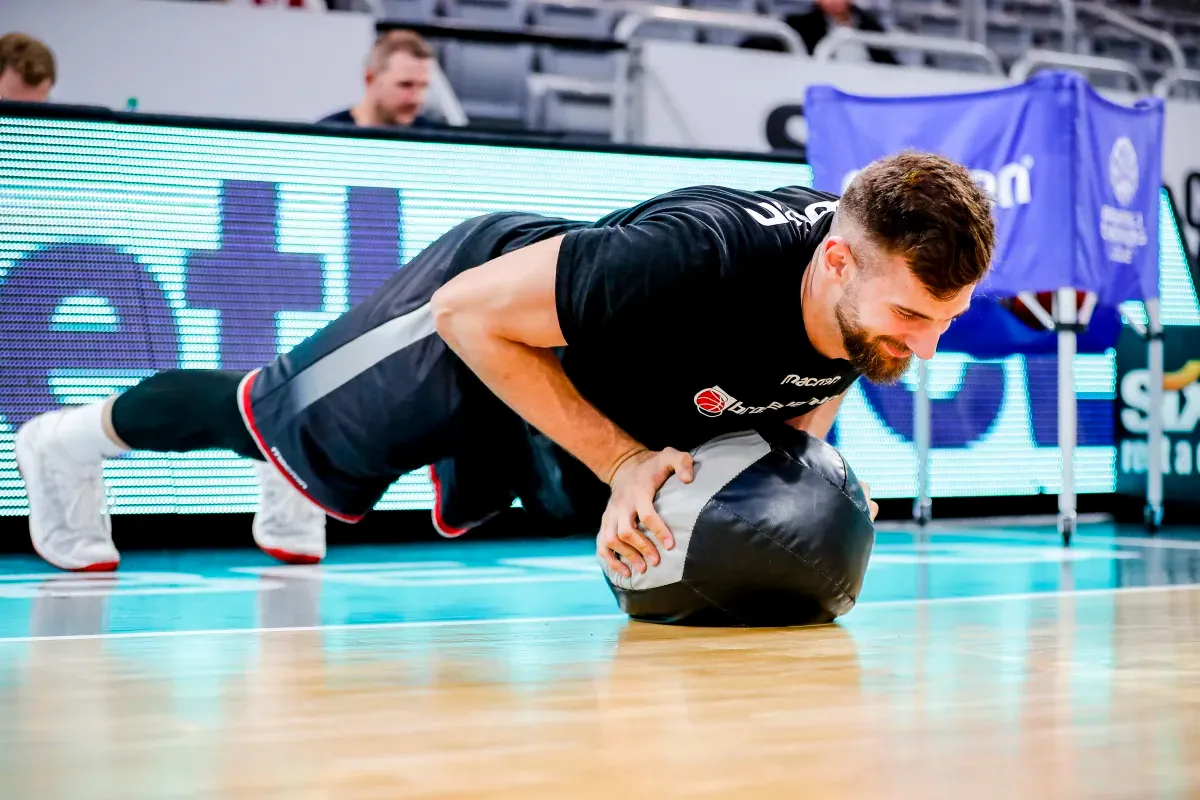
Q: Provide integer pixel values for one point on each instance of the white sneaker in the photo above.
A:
(287, 526)
(68, 510)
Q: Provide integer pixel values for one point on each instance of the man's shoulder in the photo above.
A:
(713, 197)
(813, 16)
(801, 197)
(343, 117)
(868, 20)
(811, 25)
(800, 205)
(772, 218)
(738, 219)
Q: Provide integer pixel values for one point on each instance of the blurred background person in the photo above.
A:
(305, 5)
(824, 17)
(829, 14)
(397, 78)
(26, 69)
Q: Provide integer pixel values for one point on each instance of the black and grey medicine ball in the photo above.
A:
(773, 530)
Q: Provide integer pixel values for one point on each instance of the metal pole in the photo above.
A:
(979, 13)
(447, 101)
(623, 92)
(923, 504)
(1064, 314)
(1156, 445)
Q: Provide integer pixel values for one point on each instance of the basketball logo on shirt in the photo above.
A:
(711, 402)
(714, 401)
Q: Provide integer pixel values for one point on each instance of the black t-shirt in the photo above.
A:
(344, 117)
(682, 314)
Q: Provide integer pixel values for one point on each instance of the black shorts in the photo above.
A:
(377, 394)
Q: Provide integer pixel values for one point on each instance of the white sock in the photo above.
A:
(82, 435)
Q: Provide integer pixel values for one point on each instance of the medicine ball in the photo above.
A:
(774, 529)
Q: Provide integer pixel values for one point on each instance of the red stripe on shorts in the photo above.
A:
(272, 459)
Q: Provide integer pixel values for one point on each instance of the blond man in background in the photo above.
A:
(399, 68)
(26, 69)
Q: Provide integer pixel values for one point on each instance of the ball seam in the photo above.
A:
(810, 468)
(832, 581)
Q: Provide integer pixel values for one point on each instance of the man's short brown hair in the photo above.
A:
(927, 209)
(32, 59)
(398, 41)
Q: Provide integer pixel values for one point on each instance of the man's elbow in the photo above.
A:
(449, 306)
(441, 307)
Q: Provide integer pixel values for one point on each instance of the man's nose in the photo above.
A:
(923, 343)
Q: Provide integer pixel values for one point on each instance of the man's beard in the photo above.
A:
(866, 353)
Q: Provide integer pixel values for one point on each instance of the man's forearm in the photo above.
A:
(531, 381)
(819, 421)
(501, 318)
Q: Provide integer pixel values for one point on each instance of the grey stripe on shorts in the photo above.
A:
(359, 355)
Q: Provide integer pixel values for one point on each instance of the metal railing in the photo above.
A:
(1070, 22)
(827, 48)
(1035, 59)
(582, 5)
(1176, 77)
(1138, 29)
(637, 18)
(443, 98)
(597, 5)
(628, 28)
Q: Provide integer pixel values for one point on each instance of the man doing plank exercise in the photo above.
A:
(570, 364)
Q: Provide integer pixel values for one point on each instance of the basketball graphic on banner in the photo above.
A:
(1123, 170)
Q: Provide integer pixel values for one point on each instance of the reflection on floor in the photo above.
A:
(981, 661)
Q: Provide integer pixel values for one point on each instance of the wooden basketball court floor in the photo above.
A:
(981, 661)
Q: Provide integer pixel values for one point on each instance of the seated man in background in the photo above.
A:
(397, 81)
(816, 25)
(26, 69)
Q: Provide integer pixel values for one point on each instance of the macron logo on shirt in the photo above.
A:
(796, 380)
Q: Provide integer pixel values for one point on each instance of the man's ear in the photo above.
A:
(837, 257)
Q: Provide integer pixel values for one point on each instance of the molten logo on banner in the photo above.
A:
(1122, 229)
